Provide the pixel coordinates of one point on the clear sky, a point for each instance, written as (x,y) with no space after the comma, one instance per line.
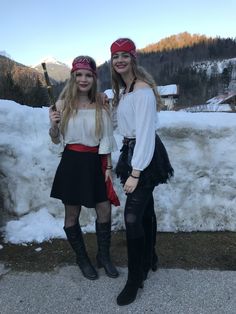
(31,30)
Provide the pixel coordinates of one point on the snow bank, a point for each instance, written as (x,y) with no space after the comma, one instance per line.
(201,196)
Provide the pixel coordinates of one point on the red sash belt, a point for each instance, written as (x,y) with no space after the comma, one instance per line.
(111,194)
(82,148)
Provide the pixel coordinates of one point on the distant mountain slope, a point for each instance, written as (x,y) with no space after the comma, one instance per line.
(178,41)
(214,67)
(26,85)
(21,83)
(57,70)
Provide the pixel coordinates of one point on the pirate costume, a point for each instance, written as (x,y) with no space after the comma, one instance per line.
(80,177)
(144,151)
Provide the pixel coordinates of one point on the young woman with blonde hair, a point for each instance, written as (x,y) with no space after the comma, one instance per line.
(83,128)
(143,163)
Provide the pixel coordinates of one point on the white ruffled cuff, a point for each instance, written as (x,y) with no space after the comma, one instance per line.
(107,145)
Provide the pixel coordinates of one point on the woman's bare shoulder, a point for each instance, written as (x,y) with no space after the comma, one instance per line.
(140,84)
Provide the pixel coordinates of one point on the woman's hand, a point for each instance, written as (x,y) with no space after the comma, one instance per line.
(54,116)
(105,101)
(130,185)
(108,174)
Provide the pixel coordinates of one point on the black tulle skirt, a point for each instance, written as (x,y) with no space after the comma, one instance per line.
(158,171)
(79,179)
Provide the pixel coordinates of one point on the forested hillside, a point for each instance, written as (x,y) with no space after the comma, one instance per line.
(23,84)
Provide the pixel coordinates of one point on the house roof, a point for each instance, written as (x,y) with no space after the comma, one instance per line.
(220,99)
(217,103)
(167,90)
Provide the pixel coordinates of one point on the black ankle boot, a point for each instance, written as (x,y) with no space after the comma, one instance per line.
(75,238)
(135,249)
(103,231)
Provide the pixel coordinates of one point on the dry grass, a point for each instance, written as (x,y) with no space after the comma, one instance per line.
(198,250)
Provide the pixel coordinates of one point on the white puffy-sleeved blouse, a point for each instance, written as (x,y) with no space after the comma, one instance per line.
(81,130)
(137,118)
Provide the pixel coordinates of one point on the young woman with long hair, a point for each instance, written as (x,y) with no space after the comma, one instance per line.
(84,129)
(143,163)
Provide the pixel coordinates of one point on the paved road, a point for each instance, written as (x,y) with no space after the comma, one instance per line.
(167,291)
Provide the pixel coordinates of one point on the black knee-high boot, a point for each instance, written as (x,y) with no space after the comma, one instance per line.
(75,238)
(150,256)
(155,261)
(103,231)
(135,249)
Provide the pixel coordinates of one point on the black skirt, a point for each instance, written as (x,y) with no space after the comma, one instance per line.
(79,179)
(158,171)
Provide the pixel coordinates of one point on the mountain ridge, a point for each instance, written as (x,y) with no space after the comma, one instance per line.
(176,41)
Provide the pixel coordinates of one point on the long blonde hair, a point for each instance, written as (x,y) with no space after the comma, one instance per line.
(69,96)
(141,74)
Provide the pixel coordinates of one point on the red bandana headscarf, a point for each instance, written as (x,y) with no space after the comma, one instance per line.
(83,63)
(124,44)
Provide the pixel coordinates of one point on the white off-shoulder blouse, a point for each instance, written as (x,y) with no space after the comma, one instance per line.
(81,130)
(137,118)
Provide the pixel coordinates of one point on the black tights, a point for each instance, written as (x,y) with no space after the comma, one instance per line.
(139,212)
(72,213)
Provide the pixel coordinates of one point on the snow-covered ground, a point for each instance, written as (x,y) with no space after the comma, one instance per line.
(201,196)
